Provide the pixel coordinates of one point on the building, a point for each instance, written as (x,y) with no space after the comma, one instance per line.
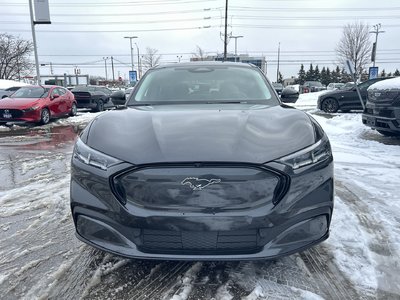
(258,61)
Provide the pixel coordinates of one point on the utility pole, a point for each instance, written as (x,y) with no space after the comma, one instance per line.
(377,32)
(235,37)
(279,54)
(112,68)
(105,65)
(139,73)
(226,30)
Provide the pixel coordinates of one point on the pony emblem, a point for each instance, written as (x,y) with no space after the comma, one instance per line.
(198,184)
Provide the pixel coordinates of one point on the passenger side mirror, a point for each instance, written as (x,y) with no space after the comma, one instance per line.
(118,98)
(55,96)
(289,95)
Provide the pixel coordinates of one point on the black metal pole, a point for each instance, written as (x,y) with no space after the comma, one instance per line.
(226,30)
(112,67)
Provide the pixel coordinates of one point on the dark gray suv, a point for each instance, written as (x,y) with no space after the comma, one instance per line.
(382,110)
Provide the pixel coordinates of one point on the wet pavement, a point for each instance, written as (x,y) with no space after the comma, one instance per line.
(40,258)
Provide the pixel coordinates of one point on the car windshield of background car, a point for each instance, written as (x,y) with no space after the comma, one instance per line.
(204,84)
(31,92)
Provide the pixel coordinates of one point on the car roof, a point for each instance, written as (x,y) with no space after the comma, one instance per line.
(206,64)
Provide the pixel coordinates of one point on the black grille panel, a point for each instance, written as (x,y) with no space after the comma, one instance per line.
(160,240)
(206,189)
(16,113)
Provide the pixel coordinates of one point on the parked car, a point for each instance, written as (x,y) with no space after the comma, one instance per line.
(128,91)
(312,86)
(203,163)
(278,87)
(37,104)
(335,86)
(345,99)
(382,111)
(97,98)
(7,92)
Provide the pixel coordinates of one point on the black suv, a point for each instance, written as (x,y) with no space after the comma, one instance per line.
(94,97)
(382,111)
(345,99)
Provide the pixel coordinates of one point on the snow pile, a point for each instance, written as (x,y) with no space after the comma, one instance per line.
(387,84)
(5,84)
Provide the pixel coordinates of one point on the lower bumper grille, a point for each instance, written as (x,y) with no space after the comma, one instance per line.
(190,242)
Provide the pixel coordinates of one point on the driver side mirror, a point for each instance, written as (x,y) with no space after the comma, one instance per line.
(289,95)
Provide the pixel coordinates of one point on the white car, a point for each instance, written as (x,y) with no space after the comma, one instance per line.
(335,86)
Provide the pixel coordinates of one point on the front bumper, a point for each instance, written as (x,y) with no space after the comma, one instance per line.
(299,220)
(386,118)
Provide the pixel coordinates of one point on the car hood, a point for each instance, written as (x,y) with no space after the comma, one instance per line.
(210,133)
(17,103)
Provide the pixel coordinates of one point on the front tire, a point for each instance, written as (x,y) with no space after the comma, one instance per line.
(74,110)
(330,105)
(99,105)
(44,116)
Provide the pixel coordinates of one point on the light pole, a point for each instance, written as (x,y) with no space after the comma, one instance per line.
(130,39)
(377,32)
(105,65)
(236,37)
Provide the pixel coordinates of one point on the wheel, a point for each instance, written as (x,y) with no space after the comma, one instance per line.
(388,133)
(44,116)
(330,105)
(74,110)
(99,105)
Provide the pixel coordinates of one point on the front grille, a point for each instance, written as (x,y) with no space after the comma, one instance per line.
(15,113)
(203,188)
(191,242)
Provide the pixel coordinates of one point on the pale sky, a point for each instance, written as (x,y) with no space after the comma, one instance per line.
(84,31)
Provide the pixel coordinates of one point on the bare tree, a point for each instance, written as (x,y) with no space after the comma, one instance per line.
(14,56)
(199,54)
(151,58)
(355,46)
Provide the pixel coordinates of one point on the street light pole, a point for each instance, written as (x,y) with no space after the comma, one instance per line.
(236,37)
(130,39)
(105,65)
(377,32)
(34,43)
(226,30)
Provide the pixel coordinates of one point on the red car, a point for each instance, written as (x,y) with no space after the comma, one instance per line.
(37,104)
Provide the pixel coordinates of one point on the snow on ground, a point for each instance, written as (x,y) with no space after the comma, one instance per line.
(41,258)
(5,84)
(365,229)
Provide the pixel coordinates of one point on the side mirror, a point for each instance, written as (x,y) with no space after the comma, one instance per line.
(118,98)
(55,96)
(289,95)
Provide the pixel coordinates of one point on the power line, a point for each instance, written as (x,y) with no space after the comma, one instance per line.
(132,3)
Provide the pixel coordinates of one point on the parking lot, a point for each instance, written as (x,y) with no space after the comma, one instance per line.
(40,258)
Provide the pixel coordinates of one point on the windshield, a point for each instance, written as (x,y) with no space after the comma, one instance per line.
(31,92)
(210,84)
(277,85)
(83,89)
(314,83)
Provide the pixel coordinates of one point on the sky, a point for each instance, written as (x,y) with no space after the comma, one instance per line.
(82,34)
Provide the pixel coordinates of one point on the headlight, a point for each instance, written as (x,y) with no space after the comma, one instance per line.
(94,158)
(316,153)
(30,109)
